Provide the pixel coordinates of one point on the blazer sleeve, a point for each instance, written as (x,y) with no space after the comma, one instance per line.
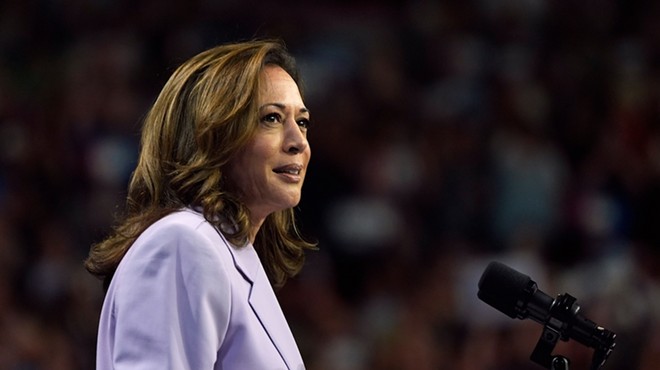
(172,301)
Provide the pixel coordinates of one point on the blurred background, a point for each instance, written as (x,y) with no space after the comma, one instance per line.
(446,134)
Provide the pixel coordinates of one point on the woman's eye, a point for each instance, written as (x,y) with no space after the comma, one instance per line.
(277,118)
(272,118)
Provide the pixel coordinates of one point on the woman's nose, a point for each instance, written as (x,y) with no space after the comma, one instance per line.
(295,139)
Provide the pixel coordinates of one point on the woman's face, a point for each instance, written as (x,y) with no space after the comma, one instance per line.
(269,172)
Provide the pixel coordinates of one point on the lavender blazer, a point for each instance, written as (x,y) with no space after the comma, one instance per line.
(184,298)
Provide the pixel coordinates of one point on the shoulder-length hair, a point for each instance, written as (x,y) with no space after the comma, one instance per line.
(205,113)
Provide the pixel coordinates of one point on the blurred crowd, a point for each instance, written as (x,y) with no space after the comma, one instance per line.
(445,134)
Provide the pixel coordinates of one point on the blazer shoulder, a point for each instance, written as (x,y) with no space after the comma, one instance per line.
(183,217)
(175,233)
(181,240)
(184,221)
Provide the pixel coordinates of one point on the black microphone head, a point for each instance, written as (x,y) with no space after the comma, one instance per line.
(503,288)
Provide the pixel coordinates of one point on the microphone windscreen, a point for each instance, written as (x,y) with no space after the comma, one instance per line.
(503,288)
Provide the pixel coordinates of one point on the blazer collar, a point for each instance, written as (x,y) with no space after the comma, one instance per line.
(264,303)
(246,261)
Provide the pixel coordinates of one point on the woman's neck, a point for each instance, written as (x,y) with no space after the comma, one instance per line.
(255,225)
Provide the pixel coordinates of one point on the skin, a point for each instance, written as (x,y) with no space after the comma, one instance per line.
(271,169)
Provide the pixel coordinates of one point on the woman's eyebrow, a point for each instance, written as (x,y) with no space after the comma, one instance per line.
(283,107)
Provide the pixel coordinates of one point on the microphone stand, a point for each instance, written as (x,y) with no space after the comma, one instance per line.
(555,328)
(542,353)
(559,363)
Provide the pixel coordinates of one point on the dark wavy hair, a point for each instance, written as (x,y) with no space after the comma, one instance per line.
(205,113)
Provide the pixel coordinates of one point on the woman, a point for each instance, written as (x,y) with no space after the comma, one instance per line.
(210,224)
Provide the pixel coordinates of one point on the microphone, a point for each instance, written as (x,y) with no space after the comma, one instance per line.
(517,296)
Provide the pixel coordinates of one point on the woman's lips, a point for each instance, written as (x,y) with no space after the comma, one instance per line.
(290,172)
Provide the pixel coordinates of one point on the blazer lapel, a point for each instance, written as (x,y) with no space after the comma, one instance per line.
(264,303)
(265,306)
